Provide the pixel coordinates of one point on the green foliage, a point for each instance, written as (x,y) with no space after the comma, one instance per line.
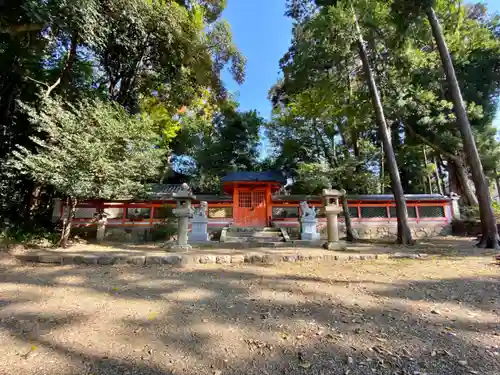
(150,57)
(212,147)
(32,237)
(91,149)
(167,229)
(323,110)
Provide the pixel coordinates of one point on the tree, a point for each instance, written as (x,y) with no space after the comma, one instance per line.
(89,150)
(490,238)
(151,57)
(297,9)
(226,140)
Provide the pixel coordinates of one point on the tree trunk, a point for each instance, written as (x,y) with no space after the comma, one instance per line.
(464,186)
(68,67)
(497,184)
(459,183)
(382,171)
(348,221)
(438,177)
(65,74)
(489,238)
(440,165)
(404,233)
(34,202)
(428,177)
(68,221)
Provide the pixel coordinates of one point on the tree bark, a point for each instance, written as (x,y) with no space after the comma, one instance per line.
(440,165)
(497,184)
(464,187)
(404,233)
(428,177)
(70,62)
(68,221)
(438,178)
(63,78)
(382,171)
(459,183)
(489,238)
(34,202)
(348,221)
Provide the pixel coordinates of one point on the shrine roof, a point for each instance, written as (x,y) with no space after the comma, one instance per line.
(266,176)
(165,191)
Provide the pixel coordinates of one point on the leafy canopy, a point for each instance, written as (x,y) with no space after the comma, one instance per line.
(93,149)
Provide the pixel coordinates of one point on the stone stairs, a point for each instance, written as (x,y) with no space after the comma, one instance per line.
(257,236)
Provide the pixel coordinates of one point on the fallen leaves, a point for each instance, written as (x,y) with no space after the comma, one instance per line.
(152,315)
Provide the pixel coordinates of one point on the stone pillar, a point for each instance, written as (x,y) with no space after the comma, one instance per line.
(183,212)
(199,225)
(332,210)
(332,227)
(309,223)
(455,207)
(183,231)
(101,220)
(101,228)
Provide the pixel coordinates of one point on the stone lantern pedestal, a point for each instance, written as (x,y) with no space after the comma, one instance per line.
(309,223)
(183,212)
(332,211)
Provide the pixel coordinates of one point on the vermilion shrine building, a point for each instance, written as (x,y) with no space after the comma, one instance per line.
(255,199)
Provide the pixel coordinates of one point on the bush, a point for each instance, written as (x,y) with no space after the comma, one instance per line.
(35,237)
(164,231)
(472,212)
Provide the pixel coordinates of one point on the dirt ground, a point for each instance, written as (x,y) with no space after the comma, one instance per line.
(440,315)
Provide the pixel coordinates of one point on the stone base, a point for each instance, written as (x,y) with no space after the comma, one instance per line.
(199,237)
(310,236)
(335,246)
(176,248)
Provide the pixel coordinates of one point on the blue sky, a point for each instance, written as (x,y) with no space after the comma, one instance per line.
(263,34)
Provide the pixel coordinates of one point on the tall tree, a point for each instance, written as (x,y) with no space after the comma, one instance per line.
(300,10)
(489,237)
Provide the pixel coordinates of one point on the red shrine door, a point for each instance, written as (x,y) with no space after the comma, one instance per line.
(251,210)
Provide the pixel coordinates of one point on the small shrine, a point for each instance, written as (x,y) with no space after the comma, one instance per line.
(252,196)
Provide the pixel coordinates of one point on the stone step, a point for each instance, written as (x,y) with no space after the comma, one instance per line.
(253,239)
(254,234)
(252,229)
(255,244)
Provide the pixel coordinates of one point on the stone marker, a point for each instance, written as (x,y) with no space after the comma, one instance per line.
(332,210)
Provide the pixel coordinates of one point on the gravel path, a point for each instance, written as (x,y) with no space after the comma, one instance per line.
(436,316)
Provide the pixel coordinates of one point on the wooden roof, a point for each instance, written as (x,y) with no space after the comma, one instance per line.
(245,176)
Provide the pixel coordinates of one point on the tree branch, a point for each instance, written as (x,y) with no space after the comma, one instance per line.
(50,88)
(17,29)
(39,82)
(449,155)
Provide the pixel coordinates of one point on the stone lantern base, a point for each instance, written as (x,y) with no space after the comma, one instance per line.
(335,246)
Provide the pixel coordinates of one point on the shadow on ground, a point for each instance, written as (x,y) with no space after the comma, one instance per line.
(246,320)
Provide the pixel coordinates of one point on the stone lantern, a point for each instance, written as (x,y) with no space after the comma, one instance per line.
(183,212)
(331,199)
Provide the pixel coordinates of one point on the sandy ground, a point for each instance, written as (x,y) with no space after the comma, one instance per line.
(435,316)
